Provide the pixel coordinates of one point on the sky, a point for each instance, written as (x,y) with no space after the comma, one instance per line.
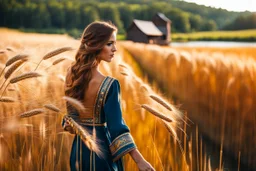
(231,5)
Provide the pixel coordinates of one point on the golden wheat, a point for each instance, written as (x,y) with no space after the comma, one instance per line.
(10,49)
(32,112)
(156,113)
(124,73)
(31,74)
(123,66)
(2,51)
(16,58)
(56,52)
(62,78)
(11,89)
(58,61)
(13,68)
(161,101)
(52,107)
(7,99)
(75,103)
(170,129)
(85,136)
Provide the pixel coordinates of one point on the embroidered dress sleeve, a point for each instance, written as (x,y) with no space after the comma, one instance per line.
(71,112)
(121,139)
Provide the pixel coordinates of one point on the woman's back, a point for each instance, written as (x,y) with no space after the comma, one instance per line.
(92,91)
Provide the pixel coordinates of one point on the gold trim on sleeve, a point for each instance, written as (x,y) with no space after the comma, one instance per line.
(120,141)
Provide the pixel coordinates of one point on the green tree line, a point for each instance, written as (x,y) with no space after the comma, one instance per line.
(76,14)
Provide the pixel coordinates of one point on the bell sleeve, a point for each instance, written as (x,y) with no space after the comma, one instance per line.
(121,139)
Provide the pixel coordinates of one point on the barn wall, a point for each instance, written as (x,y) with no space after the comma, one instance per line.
(136,35)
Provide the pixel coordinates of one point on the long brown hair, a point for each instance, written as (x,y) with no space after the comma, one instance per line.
(93,39)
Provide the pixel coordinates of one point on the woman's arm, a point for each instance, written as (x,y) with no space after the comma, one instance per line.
(141,162)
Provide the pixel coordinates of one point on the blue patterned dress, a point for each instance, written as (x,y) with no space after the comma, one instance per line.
(111,131)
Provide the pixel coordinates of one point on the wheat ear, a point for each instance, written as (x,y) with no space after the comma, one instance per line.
(52,107)
(7,99)
(156,113)
(161,101)
(122,65)
(32,112)
(10,49)
(124,73)
(62,78)
(2,51)
(16,58)
(75,103)
(58,61)
(13,68)
(54,53)
(31,74)
(12,60)
(84,135)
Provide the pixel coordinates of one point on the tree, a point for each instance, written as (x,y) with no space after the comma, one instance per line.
(72,17)
(195,21)
(126,15)
(242,22)
(109,12)
(180,20)
(88,15)
(57,14)
(208,26)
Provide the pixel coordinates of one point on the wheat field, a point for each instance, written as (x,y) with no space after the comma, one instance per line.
(215,85)
(33,68)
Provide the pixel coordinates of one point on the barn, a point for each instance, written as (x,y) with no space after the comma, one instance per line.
(156,31)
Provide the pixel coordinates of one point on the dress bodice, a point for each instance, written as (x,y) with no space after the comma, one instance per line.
(93,114)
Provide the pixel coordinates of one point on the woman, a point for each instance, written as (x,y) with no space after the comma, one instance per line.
(101,97)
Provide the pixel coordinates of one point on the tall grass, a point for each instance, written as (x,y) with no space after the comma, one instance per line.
(215,86)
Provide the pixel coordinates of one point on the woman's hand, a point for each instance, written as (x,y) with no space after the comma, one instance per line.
(143,165)
(68,128)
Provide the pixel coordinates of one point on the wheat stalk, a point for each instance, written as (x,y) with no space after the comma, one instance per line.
(11,89)
(16,58)
(84,135)
(32,112)
(156,113)
(31,74)
(13,68)
(52,107)
(161,101)
(2,51)
(54,53)
(75,103)
(7,99)
(10,49)
(58,61)
(124,66)
(61,77)
(124,73)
